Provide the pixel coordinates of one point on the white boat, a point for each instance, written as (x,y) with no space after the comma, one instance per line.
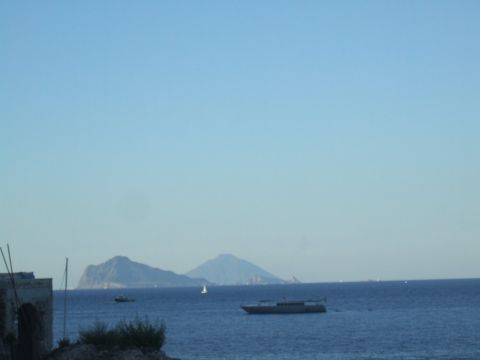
(204,290)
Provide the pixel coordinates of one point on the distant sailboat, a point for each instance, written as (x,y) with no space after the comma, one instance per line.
(204,290)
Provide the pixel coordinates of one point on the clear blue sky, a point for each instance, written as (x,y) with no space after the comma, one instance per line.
(326,140)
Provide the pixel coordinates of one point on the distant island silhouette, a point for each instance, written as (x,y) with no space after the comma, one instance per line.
(226,269)
(121,272)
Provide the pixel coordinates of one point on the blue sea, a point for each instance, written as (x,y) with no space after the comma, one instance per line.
(438,319)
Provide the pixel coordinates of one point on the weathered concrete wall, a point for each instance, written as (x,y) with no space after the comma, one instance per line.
(35,301)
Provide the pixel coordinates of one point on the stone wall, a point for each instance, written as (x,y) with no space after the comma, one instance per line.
(31,326)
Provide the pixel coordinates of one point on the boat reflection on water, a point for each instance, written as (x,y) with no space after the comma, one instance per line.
(286,307)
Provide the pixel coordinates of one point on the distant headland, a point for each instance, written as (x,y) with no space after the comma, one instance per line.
(121,272)
(226,269)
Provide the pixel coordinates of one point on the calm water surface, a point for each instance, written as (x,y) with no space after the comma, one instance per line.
(372,320)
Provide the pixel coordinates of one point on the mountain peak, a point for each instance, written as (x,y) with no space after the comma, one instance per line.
(119,258)
(226,256)
(121,272)
(227,269)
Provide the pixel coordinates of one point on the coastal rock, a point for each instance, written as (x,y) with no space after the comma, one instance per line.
(293,280)
(90,352)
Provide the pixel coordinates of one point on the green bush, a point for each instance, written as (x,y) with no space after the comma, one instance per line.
(141,334)
(99,335)
(136,334)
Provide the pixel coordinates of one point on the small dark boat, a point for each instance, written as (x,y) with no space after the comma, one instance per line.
(286,307)
(122,298)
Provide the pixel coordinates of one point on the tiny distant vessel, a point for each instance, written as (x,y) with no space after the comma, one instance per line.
(204,290)
(122,298)
(286,307)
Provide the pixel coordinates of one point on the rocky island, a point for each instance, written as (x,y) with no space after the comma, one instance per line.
(121,272)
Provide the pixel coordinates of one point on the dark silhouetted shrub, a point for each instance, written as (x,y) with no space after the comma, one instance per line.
(99,335)
(141,334)
(136,334)
(63,343)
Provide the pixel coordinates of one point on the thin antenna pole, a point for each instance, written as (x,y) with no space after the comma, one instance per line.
(6,265)
(12,279)
(65,301)
(5,261)
(9,258)
(13,276)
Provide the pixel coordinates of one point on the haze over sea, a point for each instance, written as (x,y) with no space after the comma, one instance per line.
(424,319)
